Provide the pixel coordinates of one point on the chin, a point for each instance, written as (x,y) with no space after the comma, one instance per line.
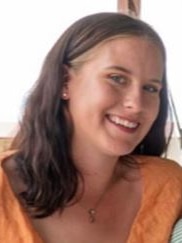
(121,150)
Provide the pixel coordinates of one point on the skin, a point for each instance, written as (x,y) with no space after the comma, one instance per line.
(122,78)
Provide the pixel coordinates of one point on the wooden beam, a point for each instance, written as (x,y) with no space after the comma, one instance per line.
(130,7)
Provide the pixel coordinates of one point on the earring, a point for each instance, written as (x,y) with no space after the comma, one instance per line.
(64,96)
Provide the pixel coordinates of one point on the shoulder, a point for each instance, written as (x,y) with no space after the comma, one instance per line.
(5,189)
(3,158)
(160,164)
(13,218)
(5,155)
(160,171)
(162,186)
(9,173)
(7,163)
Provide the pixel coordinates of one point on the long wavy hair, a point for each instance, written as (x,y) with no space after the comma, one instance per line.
(44,158)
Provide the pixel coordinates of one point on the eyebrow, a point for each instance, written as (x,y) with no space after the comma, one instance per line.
(120,68)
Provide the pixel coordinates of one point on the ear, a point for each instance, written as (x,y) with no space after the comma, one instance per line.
(65,89)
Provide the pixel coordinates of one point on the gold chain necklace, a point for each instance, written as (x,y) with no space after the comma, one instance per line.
(92,212)
(92,215)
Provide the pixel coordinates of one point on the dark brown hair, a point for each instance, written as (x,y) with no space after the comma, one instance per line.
(44,158)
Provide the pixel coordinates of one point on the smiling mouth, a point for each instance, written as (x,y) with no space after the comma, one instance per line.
(123,122)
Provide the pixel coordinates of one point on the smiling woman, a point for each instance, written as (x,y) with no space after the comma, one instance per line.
(126,98)
(85,164)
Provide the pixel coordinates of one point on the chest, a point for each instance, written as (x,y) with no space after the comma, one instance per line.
(113,221)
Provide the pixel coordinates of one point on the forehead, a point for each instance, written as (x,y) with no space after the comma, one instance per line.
(127,50)
(127,44)
(123,44)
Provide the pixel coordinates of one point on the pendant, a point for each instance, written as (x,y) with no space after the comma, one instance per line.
(92,213)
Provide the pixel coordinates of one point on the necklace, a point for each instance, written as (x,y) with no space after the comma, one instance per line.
(92,215)
(92,212)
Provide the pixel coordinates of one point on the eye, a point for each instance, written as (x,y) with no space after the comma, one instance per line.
(151,89)
(120,79)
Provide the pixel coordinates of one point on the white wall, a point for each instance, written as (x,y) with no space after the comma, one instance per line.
(29,28)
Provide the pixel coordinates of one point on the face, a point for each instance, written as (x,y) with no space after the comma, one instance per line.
(114,96)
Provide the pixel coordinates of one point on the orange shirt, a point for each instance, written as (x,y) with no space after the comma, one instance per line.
(161,205)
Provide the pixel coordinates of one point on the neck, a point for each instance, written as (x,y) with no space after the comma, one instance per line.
(97,167)
(98,170)
(101,174)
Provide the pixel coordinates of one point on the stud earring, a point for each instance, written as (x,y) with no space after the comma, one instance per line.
(64,96)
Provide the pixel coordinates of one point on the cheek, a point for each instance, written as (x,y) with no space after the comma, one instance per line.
(100,96)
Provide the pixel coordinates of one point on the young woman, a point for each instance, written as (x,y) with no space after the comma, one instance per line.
(85,165)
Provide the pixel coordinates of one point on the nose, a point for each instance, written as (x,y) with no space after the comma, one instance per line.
(133,100)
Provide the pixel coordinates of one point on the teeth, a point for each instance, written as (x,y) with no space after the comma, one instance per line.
(122,122)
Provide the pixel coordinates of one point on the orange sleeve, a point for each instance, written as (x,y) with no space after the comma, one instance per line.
(15,225)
